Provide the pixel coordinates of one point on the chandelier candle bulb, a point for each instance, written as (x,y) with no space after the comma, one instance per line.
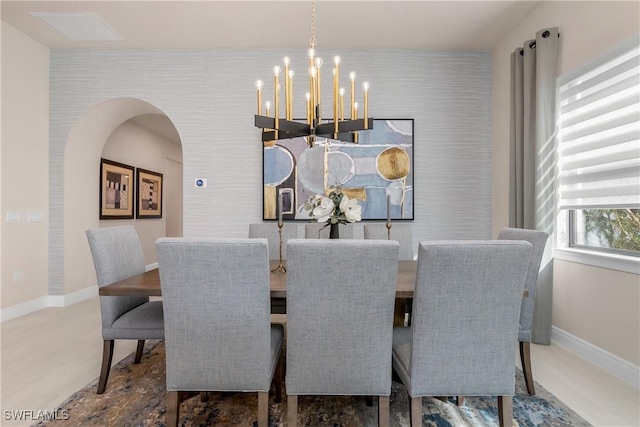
(352,76)
(259,88)
(268,108)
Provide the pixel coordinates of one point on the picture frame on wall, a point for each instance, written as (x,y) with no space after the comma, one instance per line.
(116,190)
(149,192)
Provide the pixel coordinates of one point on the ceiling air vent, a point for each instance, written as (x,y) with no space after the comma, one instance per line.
(79,27)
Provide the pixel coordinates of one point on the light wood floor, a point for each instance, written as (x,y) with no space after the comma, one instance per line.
(48,355)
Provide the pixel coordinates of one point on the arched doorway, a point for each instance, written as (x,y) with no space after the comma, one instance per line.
(111,127)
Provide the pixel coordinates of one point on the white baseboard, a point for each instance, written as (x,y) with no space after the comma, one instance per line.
(53,301)
(611,363)
(24,308)
(72,298)
(47,301)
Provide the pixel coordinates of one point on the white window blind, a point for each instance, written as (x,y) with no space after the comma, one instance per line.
(599,133)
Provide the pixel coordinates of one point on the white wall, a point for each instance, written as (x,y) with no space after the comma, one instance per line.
(599,306)
(136,146)
(25,166)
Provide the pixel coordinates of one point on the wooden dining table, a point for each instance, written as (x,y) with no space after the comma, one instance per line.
(148,283)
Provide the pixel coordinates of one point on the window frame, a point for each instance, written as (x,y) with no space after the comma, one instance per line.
(571,218)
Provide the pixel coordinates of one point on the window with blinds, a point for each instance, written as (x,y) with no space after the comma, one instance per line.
(599,151)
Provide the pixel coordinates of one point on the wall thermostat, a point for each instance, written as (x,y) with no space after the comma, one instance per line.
(200,182)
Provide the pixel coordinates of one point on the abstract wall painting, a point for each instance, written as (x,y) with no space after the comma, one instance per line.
(380,164)
(116,190)
(149,185)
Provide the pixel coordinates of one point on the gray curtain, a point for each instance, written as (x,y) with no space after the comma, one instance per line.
(532,199)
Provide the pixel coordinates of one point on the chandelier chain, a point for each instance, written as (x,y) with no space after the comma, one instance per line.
(312,40)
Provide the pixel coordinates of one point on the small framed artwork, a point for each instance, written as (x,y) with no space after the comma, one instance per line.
(149,192)
(116,190)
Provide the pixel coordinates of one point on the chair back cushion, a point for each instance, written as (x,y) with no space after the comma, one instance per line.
(317,230)
(117,254)
(465,317)
(340,302)
(216,311)
(270,232)
(401,232)
(538,240)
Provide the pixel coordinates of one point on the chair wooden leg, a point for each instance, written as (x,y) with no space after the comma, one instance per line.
(107,355)
(204,396)
(383,411)
(525,359)
(279,375)
(459,400)
(505,411)
(139,351)
(292,410)
(263,409)
(416,411)
(173,408)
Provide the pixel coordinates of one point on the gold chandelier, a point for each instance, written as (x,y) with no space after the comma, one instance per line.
(282,126)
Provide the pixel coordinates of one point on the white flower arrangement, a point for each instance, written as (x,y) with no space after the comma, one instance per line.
(336,208)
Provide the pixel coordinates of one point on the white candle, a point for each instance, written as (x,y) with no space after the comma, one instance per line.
(280,209)
(388,208)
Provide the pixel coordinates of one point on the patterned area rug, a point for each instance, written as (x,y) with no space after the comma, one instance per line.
(135,396)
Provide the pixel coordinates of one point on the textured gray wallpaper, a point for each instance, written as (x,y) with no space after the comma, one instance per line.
(210,97)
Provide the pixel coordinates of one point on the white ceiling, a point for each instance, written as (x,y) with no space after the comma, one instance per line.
(242,24)
(470,25)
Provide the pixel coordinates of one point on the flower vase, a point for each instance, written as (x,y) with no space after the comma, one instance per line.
(334,231)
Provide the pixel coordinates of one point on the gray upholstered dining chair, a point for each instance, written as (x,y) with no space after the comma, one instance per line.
(315,230)
(117,254)
(538,240)
(336,346)
(218,335)
(269,231)
(403,233)
(465,322)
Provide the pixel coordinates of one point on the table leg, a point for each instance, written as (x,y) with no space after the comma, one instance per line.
(398,315)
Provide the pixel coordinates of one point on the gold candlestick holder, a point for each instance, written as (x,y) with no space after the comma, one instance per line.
(280,268)
(388,230)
